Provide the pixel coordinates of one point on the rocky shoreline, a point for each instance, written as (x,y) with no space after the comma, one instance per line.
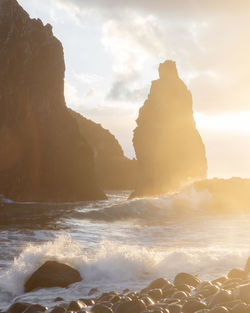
(185,294)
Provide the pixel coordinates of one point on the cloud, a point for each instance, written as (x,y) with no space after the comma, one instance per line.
(130,48)
(87,78)
(161,6)
(120,92)
(201,36)
(124,42)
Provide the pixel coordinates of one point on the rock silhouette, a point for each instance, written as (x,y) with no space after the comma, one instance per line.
(113,169)
(169,149)
(43,156)
(52,274)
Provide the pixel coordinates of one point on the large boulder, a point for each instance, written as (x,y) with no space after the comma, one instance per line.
(169,149)
(52,274)
(43,156)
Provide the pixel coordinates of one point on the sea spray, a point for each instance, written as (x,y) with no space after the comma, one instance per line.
(148,238)
(153,210)
(112,262)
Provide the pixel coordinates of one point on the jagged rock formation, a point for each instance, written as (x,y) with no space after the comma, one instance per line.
(113,169)
(43,156)
(168,147)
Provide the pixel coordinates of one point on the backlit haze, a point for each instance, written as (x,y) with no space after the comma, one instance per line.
(113,49)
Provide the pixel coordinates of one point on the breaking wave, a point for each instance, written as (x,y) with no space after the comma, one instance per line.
(112,263)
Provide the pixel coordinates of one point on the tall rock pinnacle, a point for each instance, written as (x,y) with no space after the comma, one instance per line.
(169,149)
(43,156)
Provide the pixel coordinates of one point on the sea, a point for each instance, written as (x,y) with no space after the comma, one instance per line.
(118,243)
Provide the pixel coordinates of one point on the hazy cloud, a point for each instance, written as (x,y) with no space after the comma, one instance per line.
(162,6)
(201,36)
(120,92)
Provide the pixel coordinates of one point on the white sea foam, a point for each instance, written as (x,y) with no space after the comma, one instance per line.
(174,237)
(152,209)
(125,265)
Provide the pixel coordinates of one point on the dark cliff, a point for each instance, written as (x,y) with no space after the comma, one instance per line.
(43,156)
(113,169)
(169,149)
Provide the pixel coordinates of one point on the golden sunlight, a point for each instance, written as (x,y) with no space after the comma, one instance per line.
(231,122)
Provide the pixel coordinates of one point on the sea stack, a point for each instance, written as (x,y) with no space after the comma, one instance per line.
(43,156)
(169,149)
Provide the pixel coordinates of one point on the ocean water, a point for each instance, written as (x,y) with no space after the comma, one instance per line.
(118,244)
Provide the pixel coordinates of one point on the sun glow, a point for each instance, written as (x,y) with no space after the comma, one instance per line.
(237,122)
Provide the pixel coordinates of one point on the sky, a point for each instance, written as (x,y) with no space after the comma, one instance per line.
(113,49)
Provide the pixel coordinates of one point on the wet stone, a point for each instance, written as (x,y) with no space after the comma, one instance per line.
(175,308)
(219,280)
(220,297)
(135,306)
(76,306)
(52,274)
(168,292)
(239,308)
(242,292)
(88,302)
(93,291)
(18,307)
(104,297)
(209,291)
(100,308)
(230,304)
(179,295)
(58,309)
(185,278)
(147,300)
(171,301)
(192,306)
(203,285)
(237,273)
(115,299)
(157,306)
(184,287)
(35,308)
(126,290)
(155,294)
(159,283)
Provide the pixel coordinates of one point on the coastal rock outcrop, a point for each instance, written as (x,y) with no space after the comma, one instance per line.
(113,169)
(52,274)
(169,149)
(43,156)
(231,194)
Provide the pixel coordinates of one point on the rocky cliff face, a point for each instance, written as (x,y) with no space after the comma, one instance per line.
(168,147)
(113,169)
(43,156)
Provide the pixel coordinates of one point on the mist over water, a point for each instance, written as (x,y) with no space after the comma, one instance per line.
(118,244)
